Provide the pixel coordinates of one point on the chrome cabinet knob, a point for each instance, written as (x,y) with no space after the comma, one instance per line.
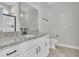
(36,50)
(46,44)
(39,49)
(12,25)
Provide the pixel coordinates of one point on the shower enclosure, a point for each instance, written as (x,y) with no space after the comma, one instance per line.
(7,23)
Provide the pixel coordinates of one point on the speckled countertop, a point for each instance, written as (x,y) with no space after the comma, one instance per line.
(14,40)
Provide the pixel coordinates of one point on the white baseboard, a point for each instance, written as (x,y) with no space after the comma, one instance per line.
(68,46)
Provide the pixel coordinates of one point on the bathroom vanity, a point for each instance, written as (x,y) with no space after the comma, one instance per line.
(28,46)
(13,41)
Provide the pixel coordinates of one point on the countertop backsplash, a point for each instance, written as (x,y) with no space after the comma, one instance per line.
(33,32)
(10,37)
(13,35)
(9,34)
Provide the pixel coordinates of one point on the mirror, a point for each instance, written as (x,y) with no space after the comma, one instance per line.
(28,17)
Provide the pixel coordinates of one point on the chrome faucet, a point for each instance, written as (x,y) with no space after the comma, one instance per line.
(24,30)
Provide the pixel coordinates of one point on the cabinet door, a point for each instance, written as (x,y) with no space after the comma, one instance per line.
(44,44)
(31,52)
(41,49)
(28,48)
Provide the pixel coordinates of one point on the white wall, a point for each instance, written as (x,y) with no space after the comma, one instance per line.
(64,21)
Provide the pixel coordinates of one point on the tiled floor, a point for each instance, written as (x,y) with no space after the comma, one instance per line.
(63,52)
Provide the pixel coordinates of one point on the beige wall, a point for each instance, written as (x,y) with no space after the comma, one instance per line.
(64,21)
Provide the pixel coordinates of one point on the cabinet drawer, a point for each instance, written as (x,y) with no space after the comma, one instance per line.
(9,52)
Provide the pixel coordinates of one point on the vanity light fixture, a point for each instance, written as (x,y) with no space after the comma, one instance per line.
(0,13)
(21,14)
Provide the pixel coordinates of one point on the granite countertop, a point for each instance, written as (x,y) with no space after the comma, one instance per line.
(17,39)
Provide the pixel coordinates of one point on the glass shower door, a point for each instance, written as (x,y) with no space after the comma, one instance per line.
(0,20)
(8,23)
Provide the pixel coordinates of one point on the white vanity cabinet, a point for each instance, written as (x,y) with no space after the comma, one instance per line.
(36,50)
(38,47)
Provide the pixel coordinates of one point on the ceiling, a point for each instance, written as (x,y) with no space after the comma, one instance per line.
(9,3)
(50,3)
(24,6)
(13,3)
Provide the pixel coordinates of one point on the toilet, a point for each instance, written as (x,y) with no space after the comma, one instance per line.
(53,43)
